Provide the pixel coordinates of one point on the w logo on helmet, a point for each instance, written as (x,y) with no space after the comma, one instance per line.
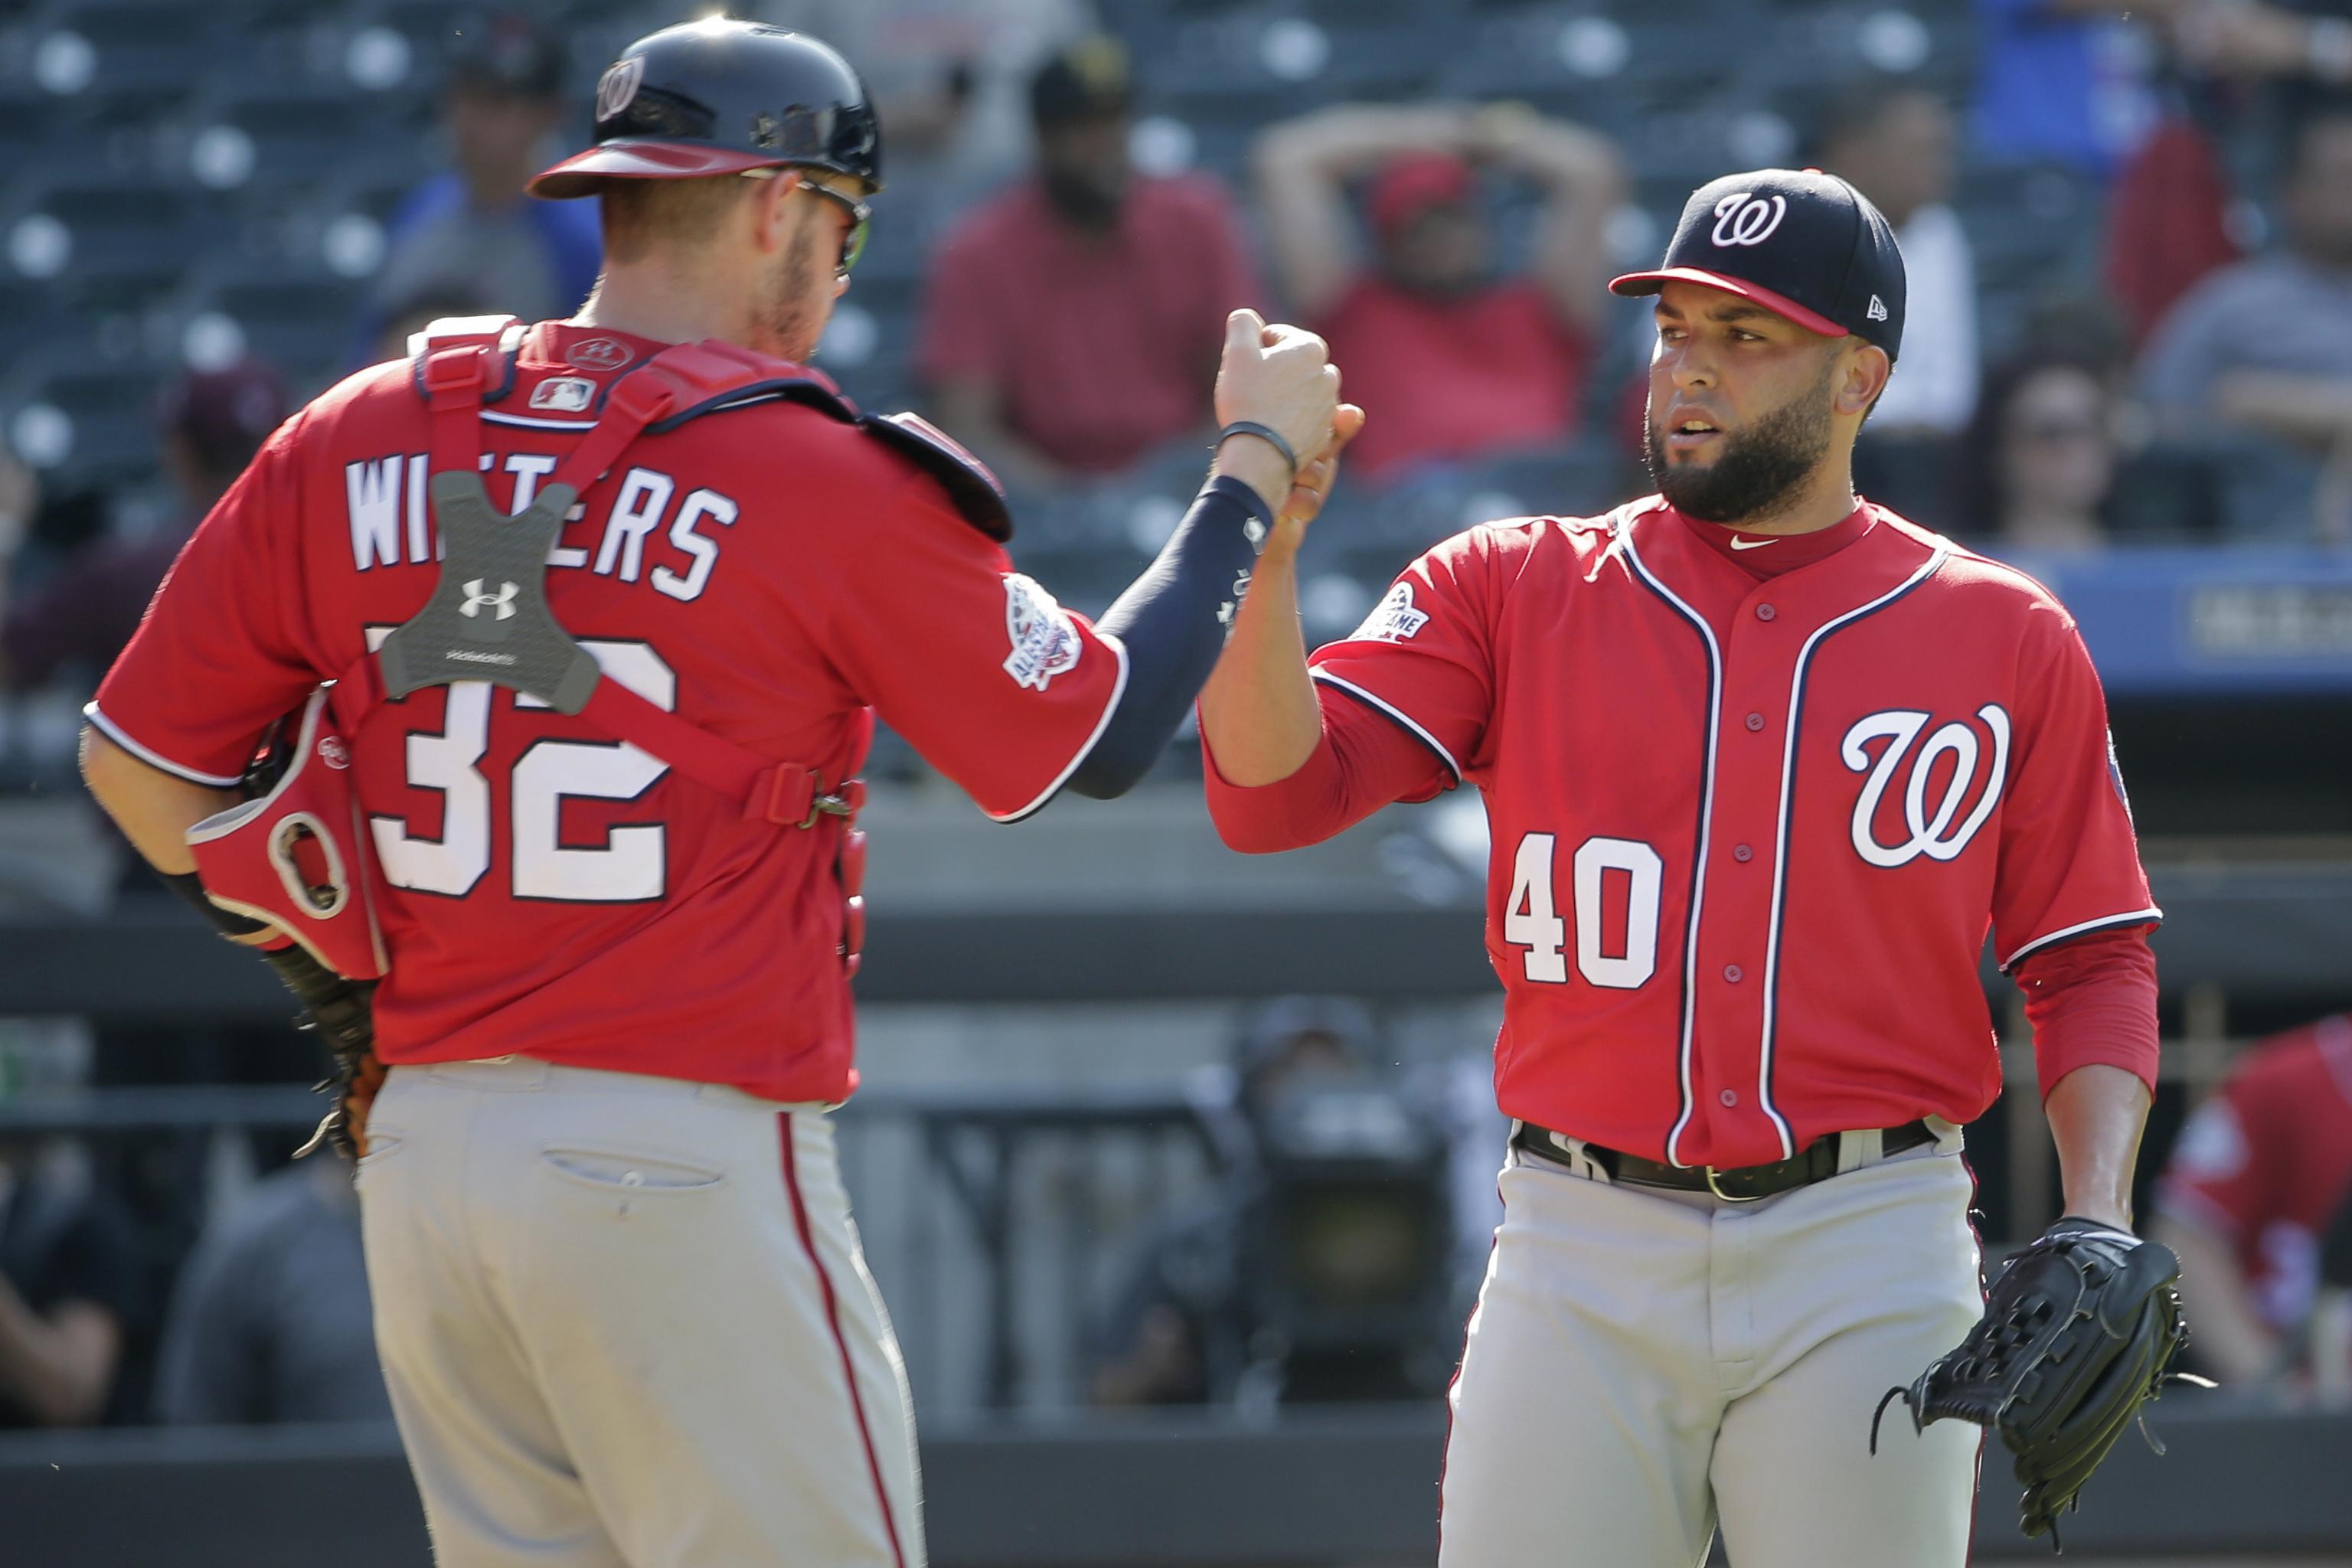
(1742,218)
(502,601)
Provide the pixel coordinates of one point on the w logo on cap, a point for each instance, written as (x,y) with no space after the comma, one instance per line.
(1744,219)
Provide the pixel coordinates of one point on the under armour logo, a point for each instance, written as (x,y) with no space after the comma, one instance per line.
(502,601)
(1934,836)
(1745,218)
(1877,311)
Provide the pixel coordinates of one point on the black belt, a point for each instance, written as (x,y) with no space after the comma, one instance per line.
(1816,1162)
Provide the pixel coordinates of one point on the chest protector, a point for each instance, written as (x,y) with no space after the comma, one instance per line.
(301,856)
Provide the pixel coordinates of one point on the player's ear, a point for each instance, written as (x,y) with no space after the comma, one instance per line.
(1863,371)
(771,212)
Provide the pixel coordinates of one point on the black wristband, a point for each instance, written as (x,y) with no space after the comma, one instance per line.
(1267,433)
(191,887)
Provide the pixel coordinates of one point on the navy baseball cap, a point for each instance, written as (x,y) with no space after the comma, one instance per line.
(1801,242)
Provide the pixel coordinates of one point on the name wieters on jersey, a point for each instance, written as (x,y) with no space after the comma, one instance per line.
(391,521)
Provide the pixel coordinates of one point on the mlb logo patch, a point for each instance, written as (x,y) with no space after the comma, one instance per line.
(564,393)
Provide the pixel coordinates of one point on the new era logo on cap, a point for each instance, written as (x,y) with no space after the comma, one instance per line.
(1802,244)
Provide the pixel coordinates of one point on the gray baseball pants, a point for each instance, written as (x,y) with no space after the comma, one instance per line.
(626,1324)
(1646,1364)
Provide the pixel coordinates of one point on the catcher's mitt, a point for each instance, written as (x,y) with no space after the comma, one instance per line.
(340,1010)
(2078,1333)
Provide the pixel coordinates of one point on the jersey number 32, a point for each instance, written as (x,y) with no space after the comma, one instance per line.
(1619,961)
(627,868)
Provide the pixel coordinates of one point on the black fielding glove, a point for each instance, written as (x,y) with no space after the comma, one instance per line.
(2078,1335)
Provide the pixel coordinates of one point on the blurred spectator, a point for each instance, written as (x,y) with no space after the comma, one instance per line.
(270,1321)
(1319,1271)
(471,230)
(2041,456)
(1073,323)
(68,1299)
(2168,225)
(2309,45)
(948,76)
(2063,81)
(2264,346)
(209,425)
(1896,143)
(1453,357)
(2257,1175)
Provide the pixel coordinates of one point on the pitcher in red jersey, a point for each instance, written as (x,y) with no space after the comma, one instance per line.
(1762,763)
(620,1305)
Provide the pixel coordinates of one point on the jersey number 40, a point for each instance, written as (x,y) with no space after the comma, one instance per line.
(628,868)
(1531,920)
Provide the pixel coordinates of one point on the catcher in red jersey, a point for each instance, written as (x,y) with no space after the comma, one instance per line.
(608,607)
(1762,763)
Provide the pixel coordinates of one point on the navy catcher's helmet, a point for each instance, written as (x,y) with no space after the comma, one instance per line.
(720,96)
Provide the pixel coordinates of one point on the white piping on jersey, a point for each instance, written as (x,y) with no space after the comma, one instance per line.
(1118,691)
(154,759)
(1705,825)
(1781,837)
(1393,711)
(531,423)
(2135,918)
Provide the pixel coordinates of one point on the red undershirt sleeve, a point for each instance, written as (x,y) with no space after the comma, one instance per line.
(2092,1000)
(1363,763)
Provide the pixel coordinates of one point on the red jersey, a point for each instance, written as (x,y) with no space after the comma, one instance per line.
(1099,347)
(1748,831)
(2266,1162)
(1454,377)
(771,574)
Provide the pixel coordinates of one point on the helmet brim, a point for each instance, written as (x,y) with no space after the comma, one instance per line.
(634,159)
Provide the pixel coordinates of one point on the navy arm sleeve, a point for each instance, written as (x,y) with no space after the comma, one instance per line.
(1173,620)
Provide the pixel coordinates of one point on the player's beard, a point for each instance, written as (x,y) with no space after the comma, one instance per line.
(1760,469)
(797,298)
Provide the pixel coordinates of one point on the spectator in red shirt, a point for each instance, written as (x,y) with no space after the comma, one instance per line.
(1454,360)
(1073,323)
(2259,1172)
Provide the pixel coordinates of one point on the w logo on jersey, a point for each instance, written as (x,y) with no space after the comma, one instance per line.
(501,603)
(1942,834)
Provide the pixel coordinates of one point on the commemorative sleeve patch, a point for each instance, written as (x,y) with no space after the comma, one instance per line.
(1044,643)
(1393,619)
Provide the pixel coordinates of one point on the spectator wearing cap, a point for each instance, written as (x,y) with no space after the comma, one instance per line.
(470,229)
(210,423)
(2263,346)
(947,77)
(1894,143)
(1071,325)
(1453,357)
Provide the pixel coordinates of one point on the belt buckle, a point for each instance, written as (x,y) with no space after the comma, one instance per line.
(1717,1188)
